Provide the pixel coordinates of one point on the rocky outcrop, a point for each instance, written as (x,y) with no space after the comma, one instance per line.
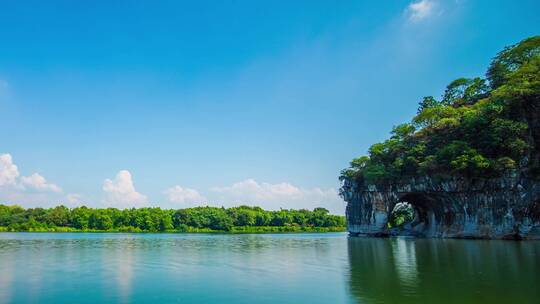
(502,208)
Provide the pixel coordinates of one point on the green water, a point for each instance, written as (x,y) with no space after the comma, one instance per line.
(286,268)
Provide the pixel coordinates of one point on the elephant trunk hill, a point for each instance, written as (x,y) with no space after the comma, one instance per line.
(468,164)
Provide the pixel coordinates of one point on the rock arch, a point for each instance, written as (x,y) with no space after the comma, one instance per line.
(456,208)
(424,206)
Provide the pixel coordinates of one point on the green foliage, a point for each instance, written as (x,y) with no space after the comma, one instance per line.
(511,59)
(401,214)
(455,90)
(476,89)
(465,91)
(99,220)
(427,103)
(476,129)
(58,216)
(429,117)
(241,219)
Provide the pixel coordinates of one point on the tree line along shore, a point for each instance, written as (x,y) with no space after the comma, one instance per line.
(242,219)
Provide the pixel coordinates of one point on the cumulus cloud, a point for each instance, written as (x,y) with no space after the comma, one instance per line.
(121,192)
(25,190)
(420,10)
(8,170)
(39,183)
(184,196)
(279,195)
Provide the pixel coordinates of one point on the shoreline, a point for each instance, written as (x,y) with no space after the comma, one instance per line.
(235,230)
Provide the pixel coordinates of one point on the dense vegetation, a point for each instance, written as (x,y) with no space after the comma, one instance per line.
(199,219)
(403,213)
(480,127)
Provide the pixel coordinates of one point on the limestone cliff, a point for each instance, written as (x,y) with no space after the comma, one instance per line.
(501,208)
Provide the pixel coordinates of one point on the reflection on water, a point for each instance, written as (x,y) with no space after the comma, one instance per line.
(122,262)
(172,268)
(287,268)
(443,271)
(405,261)
(6,275)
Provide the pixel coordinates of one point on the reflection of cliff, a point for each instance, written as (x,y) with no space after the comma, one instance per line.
(373,277)
(442,271)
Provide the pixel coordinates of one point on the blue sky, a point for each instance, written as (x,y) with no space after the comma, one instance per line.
(179,104)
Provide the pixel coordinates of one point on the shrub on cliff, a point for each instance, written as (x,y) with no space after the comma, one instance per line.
(480,127)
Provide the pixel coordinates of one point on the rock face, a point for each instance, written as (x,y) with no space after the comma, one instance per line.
(502,208)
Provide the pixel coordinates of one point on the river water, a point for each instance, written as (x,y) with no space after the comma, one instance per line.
(269,268)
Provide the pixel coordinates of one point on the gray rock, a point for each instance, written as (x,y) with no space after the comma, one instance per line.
(498,208)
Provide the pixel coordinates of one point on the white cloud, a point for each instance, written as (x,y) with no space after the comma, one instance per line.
(420,10)
(32,190)
(251,190)
(39,183)
(185,196)
(8,170)
(121,191)
(74,198)
(280,195)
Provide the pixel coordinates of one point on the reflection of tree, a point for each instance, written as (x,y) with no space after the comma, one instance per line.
(443,271)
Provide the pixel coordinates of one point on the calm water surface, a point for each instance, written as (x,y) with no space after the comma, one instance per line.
(286,268)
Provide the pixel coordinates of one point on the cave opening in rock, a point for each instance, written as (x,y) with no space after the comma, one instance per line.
(402,214)
(409,216)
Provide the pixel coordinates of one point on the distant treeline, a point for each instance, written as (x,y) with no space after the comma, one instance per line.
(243,219)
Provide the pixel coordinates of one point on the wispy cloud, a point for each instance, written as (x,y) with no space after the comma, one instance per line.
(279,195)
(39,183)
(420,10)
(184,197)
(74,198)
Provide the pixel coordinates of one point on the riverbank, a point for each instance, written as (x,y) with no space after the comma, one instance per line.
(233,230)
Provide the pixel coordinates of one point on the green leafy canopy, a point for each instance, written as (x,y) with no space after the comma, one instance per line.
(479,127)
